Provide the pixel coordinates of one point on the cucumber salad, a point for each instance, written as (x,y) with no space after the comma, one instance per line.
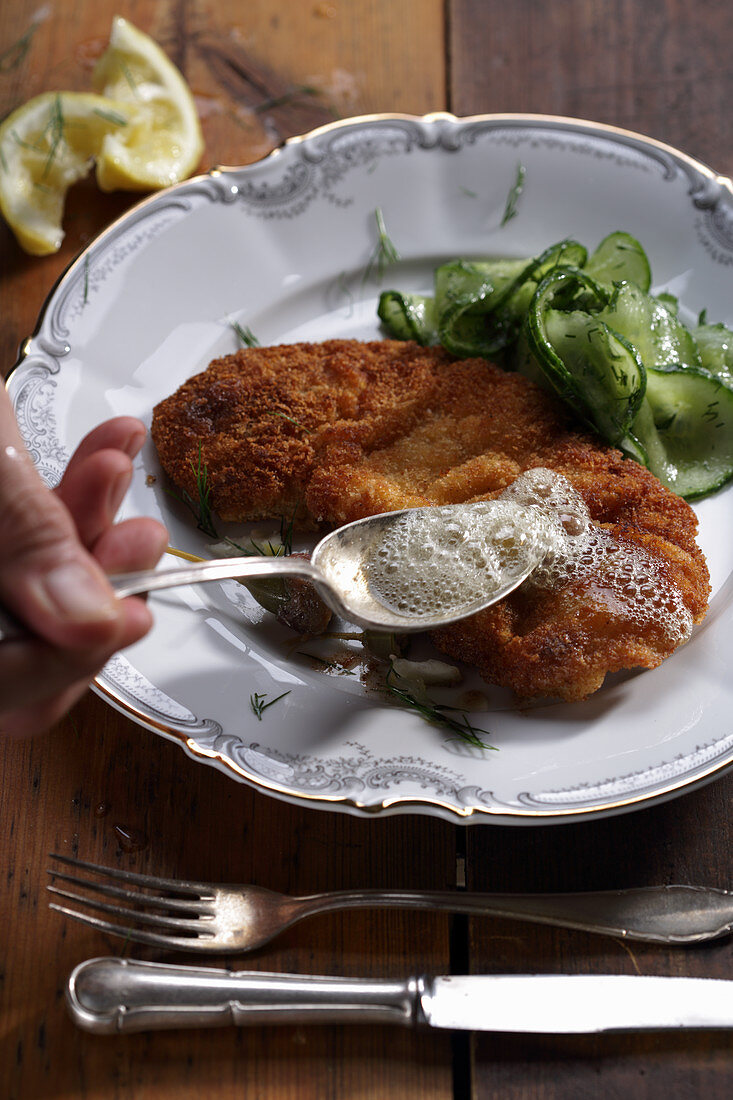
(587,327)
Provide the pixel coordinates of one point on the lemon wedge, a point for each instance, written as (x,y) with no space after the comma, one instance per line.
(163,143)
(45,146)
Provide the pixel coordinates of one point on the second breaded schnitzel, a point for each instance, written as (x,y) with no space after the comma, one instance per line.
(346,430)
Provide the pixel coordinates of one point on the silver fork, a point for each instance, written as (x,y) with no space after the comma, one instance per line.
(218,919)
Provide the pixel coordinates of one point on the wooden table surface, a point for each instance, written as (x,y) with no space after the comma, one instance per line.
(100,786)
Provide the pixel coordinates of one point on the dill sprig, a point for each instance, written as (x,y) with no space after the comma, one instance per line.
(344,289)
(200,508)
(435,712)
(286,530)
(284,416)
(55,129)
(15,54)
(125,70)
(53,132)
(258,704)
(25,144)
(111,116)
(245,334)
(257,549)
(510,210)
(269,549)
(384,253)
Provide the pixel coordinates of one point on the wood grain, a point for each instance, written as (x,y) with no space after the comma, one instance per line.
(103,788)
(685,841)
(659,69)
(97,781)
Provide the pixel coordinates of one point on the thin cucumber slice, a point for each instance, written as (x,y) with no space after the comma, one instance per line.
(480,281)
(481,306)
(513,308)
(522,359)
(466,334)
(686,427)
(632,446)
(656,333)
(644,438)
(715,345)
(607,374)
(620,258)
(408,316)
(465,295)
(670,301)
(591,367)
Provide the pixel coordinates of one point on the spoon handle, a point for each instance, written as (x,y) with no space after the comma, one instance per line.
(150,580)
(220,569)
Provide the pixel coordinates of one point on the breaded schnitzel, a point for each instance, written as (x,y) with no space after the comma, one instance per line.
(258,416)
(351,429)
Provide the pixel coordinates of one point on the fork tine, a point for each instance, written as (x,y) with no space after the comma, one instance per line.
(154,919)
(195,905)
(137,879)
(153,939)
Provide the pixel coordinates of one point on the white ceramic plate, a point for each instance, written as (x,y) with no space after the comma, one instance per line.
(281,247)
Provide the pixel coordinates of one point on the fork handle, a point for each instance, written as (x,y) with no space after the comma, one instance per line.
(112,995)
(672,914)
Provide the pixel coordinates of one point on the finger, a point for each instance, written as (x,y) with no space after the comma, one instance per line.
(46,576)
(93,489)
(98,474)
(55,678)
(131,545)
(121,433)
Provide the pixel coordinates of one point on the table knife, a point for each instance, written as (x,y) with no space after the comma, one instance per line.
(113,995)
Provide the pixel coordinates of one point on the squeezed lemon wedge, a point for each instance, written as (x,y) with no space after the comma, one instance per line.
(163,143)
(45,146)
(141,128)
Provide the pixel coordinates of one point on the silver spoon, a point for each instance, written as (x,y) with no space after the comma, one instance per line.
(339,568)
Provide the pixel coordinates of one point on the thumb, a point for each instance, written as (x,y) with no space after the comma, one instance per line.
(47,577)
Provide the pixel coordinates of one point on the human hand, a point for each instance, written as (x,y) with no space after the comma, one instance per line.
(55,551)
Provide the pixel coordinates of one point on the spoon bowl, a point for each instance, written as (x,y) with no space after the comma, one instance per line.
(345,555)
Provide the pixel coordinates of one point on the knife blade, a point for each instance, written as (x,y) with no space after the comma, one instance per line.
(113,995)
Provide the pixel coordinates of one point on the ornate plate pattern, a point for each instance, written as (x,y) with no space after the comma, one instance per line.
(283,247)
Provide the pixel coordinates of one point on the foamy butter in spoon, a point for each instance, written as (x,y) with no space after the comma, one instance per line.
(433,563)
(430,564)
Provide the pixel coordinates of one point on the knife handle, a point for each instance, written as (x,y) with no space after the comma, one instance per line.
(112,995)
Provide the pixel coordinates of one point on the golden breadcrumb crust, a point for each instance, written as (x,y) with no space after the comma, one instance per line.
(344,429)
